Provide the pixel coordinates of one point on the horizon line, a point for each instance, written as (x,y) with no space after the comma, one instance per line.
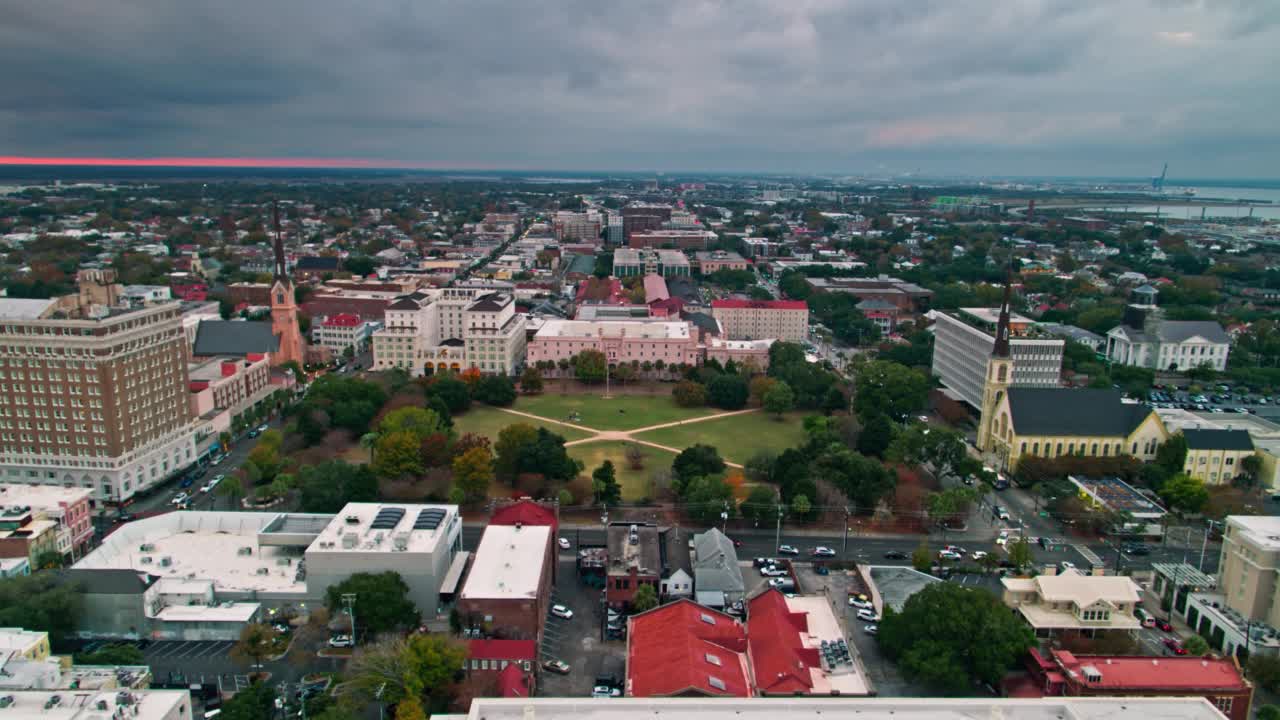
(228,162)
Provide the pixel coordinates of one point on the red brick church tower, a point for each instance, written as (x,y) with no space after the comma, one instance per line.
(284,309)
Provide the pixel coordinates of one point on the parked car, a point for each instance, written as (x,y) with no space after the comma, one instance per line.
(871,629)
(821,570)
(1135,549)
(868,616)
(1003,538)
(954,549)
(787,550)
(263,428)
(1164,625)
(950,555)
(895,555)
(772,571)
(762,561)
(822,551)
(860,604)
(1002,513)
(179,499)
(1174,645)
(1066,565)
(603,691)
(340,641)
(563,543)
(213,483)
(561,611)
(978,554)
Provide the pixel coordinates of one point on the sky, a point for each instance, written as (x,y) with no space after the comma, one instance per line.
(973,87)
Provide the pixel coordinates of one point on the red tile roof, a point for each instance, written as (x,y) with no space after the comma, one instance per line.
(502,649)
(525,512)
(1142,674)
(680,647)
(760,304)
(342,320)
(778,656)
(512,682)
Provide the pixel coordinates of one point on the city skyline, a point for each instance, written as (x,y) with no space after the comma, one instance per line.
(822,87)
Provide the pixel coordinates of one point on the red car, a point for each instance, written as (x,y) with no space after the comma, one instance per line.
(1174,645)
(1164,625)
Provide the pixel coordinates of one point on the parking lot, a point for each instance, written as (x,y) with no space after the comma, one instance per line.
(577,641)
(191,649)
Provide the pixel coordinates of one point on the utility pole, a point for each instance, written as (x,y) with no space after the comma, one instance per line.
(1204,545)
(349,600)
(844,549)
(777,535)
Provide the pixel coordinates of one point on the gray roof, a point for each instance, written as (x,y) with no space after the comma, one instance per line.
(108,581)
(1074,412)
(234,337)
(1078,334)
(1177,331)
(1218,439)
(715,563)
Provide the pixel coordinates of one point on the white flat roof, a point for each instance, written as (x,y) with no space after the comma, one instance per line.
(1261,530)
(41,497)
(97,705)
(1055,708)
(378,527)
(241,612)
(508,563)
(824,626)
(22,309)
(614,328)
(202,546)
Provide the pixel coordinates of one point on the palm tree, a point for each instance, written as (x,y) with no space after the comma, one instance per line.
(368,441)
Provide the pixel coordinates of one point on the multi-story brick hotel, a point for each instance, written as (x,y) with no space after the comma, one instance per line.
(93,394)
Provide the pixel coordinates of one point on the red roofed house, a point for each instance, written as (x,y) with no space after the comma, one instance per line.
(526,511)
(1218,680)
(495,668)
(762,319)
(786,641)
(685,649)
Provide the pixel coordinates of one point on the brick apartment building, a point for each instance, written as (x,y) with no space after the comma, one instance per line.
(93,394)
(507,592)
(66,506)
(786,320)
(634,559)
(679,239)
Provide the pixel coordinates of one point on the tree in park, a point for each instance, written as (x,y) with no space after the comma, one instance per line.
(512,440)
(472,473)
(436,404)
(531,381)
(801,506)
(1185,493)
(634,456)
(266,455)
(421,666)
(705,498)
(693,461)
(258,641)
(420,422)
(382,601)
(604,484)
(328,486)
(876,435)
(950,636)
(454,392)
(496,390)
(369,441)
(779,400)
(590,366)
(397,455)
(646,598)
(758,386)
(687,393)
(728,392)
(884,387)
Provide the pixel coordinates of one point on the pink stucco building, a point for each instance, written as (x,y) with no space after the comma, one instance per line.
(620,341)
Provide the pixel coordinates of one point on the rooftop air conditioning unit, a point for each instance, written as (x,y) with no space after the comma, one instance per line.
(166,561)
(146,560)
(246,550)
(262,571)
(349,541)
(353,519)
(146,547)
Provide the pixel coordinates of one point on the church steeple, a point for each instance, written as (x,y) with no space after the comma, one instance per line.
(279,271)
(991,432)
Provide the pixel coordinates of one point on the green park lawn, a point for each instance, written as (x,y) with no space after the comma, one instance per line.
(620,412)
(635,483)
(737,438)
(489,421)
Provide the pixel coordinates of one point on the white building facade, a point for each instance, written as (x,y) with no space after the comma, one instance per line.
(962,346)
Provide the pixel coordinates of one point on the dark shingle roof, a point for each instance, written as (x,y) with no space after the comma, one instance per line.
(234,337)
(1218,439)
(1064,411)
(1182,330)
(492,302)
(316,262)
(108,581)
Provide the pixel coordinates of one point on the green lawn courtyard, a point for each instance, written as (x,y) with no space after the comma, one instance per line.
(635,483)
(737,438)
(620,412)
(489,421)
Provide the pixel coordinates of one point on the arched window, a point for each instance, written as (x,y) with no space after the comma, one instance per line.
(1035,449)
(1135,448)
(1024,448)
(1004,369)
(1106,450)
(1059,449)
(1071,448)
(1094,450)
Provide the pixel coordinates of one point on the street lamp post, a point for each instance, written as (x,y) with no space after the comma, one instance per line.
(349,600)
(777,533)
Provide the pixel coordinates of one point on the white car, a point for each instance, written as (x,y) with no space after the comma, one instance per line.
(868,616)
(821,551)
(871,629)
(1003,513)
(561,611)
(209,486)
(1003,539)
(950,555)
(860,604)
(179,498)
(772,571)
(978,554)
(787,550)
(604,691)
(340,641)
(1067,565)
(563,543)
